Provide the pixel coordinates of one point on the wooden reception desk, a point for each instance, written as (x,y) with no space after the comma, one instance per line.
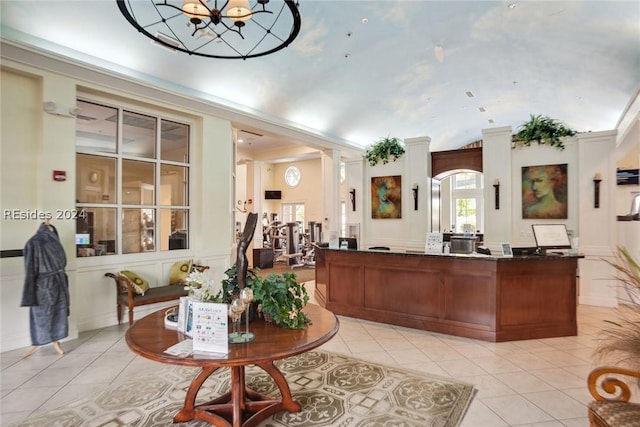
(489,298)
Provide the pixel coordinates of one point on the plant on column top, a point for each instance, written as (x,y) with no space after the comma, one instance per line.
(383,150)
(542,130)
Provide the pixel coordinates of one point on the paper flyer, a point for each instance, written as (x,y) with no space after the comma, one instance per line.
(209,327)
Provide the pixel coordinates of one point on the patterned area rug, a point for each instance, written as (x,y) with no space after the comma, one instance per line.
(334,390)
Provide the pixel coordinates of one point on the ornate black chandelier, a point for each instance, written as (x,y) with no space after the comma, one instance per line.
(231,29)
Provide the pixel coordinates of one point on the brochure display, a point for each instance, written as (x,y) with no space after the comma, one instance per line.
(434,243)
(209,327)
(206,323)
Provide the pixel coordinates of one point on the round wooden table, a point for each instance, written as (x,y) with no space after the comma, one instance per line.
(241,407)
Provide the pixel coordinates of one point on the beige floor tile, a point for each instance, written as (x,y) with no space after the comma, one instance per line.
(489,386)
(524,382)
(480,415)
(516,410)
(363,346)
(461,368)
(539,383)
(557,404)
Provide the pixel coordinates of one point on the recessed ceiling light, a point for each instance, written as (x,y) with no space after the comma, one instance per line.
(365,20)
(481,109)
(469,94)
(347,55)
(491,121)
(240,141)
(512,6)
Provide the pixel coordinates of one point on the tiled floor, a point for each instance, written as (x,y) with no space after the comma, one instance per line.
(523,383)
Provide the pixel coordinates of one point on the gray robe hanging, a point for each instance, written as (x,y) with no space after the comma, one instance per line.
(46,287)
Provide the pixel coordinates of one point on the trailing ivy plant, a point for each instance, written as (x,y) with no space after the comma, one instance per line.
(542,130)
(383,150)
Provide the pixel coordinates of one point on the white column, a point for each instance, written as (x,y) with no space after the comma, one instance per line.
(354,170)
(418,173)
(331,198)
(496,167)
(597,226)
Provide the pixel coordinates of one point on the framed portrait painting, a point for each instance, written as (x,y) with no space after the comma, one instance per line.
(544,192)
(386,197)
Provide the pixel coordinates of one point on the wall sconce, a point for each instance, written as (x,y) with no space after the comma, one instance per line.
(242,205)
(596,189)
(415,197)
(352,196)
(496,187)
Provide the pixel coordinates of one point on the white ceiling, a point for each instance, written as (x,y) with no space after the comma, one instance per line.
(352,82)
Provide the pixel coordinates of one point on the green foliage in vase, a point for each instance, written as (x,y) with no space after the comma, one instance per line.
(620,340)
(282,298)
(383,150)
(542,130)
(230,289)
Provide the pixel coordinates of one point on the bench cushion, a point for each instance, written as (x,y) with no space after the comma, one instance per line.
(140,285)
(179,272)
(159,294)
(617,414)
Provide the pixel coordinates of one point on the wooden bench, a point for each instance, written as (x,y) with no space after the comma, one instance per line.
(127,297)
(612,406)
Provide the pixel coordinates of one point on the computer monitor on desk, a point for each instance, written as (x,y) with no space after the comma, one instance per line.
(551,236)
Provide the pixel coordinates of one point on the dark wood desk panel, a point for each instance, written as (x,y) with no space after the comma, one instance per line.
(404,292)
(488,298)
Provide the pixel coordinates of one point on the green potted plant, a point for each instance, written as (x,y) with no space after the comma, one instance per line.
(282,299)
(231,291)
(542,130)
(621,338)
(383,150)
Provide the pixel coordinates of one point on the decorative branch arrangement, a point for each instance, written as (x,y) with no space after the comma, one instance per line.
(542,130)
(383,150)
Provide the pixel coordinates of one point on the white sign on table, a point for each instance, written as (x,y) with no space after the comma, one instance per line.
(209,329)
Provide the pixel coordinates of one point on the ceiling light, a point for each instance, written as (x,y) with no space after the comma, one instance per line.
(481,109)
(241,28)
(469,94)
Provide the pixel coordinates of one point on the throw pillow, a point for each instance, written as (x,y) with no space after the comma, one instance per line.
(179,272)
(140,285)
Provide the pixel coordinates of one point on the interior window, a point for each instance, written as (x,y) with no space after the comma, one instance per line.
(130,198)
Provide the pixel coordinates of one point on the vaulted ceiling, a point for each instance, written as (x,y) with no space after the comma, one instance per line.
(362,70)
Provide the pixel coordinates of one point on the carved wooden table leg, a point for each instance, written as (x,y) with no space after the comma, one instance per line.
(241,407)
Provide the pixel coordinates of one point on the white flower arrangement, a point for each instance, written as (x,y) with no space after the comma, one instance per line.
(202,287)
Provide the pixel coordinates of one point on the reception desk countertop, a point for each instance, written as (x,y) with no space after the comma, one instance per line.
(478,296)
(474,255)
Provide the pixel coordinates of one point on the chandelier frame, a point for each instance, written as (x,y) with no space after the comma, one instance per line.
(167,14)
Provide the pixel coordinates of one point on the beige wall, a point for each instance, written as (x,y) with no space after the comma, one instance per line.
(35,143)
(309,191)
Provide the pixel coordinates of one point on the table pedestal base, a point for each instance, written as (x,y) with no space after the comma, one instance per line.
(241,407)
